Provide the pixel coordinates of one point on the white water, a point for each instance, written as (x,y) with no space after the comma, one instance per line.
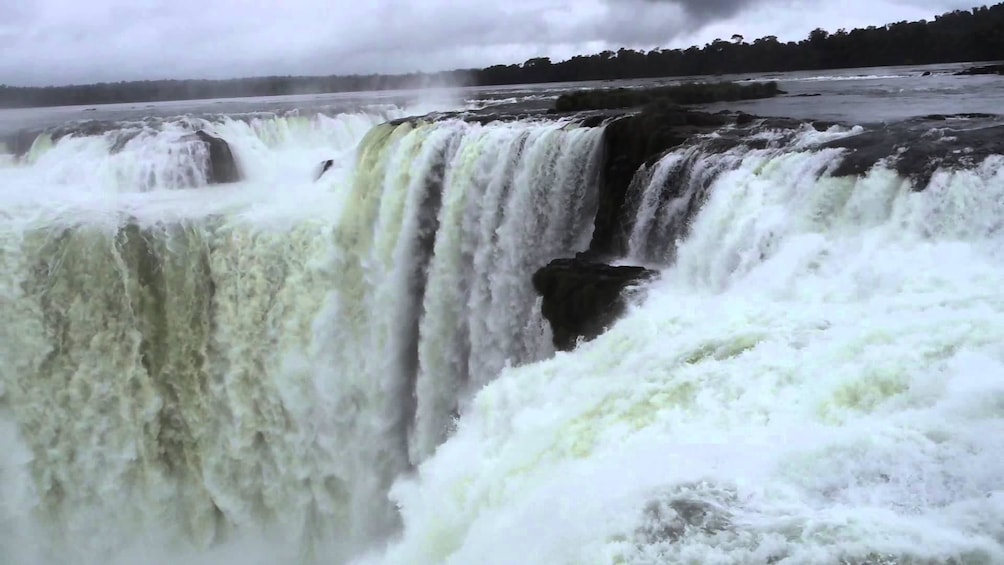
(819,379)
(237,374)
(188,370)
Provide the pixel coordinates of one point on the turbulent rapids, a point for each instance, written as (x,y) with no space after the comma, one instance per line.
(355,368)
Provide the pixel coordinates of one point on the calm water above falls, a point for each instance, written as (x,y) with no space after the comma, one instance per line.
(853,96)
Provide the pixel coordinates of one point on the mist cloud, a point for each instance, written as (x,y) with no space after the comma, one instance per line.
(67,41)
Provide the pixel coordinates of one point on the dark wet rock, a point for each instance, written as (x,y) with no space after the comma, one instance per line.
(686,510)
(84,128)
(668,521)
(482,117)
(926,74)
(916,150)
(964,116)
(690,93)
(19,143)
(630,142)
(805,95)
(984,70)
(642,139)
(123,138)
(820,125)
(581,298)
(593,121)
(222,165)
(324,168)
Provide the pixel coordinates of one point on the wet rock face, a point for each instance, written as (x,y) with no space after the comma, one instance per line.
(222,165)
(669,521)
(916,149)
(984,70)
(630,142)
(324,168)
(688,93)
(18,143)
(581,298)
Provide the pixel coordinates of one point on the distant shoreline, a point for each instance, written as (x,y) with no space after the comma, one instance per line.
(402,88)
(961,36)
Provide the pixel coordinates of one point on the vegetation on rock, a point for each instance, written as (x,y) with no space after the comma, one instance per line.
(664,96)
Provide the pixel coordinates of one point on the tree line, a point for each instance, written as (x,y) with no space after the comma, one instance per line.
(957,36)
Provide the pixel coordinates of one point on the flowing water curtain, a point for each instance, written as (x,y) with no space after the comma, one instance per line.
(119,329)
(808,382)
(497,226)
(440,234)
(163,372)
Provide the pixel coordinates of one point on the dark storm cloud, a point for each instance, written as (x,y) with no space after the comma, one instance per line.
(709,9)
(63,41)
(661,21)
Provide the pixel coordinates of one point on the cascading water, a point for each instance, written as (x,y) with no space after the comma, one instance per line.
(242,373)
(160,154)
(189,369)
(817,378)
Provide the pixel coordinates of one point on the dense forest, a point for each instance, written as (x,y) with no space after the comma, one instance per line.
(959,36)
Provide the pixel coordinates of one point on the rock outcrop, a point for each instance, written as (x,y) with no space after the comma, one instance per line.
(19,143)
(985,70)
(222,164)
(324,168)
(918,148)
(628,143)
(688,93)
(581,298)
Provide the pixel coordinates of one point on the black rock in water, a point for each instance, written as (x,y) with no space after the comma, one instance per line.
(222,165)
(985,70)
(581,298)
(689,93)
(324,168)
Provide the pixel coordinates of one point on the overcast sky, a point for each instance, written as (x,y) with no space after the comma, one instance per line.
(78,41)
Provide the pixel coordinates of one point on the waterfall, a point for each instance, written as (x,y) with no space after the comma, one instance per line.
(354,368)
(816,378)
(197,365)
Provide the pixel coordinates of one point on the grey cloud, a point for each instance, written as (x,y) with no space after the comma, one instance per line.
(710,9)
(64,41)
(702,10)
(658,22)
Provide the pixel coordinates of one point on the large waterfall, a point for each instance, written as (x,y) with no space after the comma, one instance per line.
(207,364)
(818,378)
(354,368)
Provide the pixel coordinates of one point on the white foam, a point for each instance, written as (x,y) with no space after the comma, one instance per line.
(190,369)
(819,379)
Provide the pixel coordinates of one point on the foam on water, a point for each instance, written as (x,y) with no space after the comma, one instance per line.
(819,379)
(241,373)
(186,370)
